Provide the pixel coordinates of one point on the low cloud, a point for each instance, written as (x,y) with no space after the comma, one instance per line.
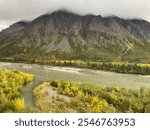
(14,10)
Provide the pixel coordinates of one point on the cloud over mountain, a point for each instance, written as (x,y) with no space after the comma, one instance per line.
(14,10)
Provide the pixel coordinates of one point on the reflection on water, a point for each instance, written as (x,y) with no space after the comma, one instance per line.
(47,73)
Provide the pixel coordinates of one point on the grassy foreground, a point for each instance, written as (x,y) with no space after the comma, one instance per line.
(64,96)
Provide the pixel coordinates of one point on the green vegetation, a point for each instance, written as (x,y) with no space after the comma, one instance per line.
(120,67)
(63,96)
(86,97)
(11,82)
(117,50)
(135,59)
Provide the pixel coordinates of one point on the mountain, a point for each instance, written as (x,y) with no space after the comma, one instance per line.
(78,37)
(14,28)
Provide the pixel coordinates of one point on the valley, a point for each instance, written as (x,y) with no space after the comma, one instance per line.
(66,62)
(43,73)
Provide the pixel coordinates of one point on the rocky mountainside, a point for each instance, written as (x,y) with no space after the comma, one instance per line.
(93,36)
(14,28)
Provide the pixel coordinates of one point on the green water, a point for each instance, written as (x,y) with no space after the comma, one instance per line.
(45,73)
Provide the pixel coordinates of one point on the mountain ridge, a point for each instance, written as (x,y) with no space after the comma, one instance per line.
(63,12)
(78,35)
(14,28)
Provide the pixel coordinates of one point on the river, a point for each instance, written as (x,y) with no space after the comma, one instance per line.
(47,73)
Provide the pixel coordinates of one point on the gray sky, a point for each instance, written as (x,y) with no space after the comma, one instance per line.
(14,10)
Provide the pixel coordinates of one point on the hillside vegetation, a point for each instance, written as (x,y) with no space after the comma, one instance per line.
(87,97)
(11,82)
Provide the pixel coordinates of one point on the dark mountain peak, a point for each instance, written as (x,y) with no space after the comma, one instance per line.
(67,21)
(23,23)
(18,26)
(57,15)
(139,21)
(67,15)
(113,17)
(91,16)
(63,12)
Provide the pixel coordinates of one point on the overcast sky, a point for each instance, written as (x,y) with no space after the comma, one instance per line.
(14,10)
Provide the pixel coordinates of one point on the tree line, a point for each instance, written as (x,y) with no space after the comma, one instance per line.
(119,67)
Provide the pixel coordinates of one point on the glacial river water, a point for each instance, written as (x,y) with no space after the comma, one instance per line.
(47,73)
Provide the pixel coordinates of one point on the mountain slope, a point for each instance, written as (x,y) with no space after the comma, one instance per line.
(14,28)
(79,37)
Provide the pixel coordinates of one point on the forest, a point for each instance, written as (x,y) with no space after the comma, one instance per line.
(119,67)
(60,58)
(63,96)
(11,82)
